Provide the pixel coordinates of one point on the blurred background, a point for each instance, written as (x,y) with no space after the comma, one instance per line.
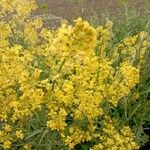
(92,9)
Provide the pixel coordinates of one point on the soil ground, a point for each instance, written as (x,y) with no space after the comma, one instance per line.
(71,9)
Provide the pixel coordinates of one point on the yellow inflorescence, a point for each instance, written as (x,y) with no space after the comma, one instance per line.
(7,145)
(68,73)
(113,140)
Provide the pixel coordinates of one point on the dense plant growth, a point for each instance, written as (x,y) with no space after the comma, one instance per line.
(69,88)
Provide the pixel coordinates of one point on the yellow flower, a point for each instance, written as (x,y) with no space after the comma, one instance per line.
(7,144)
(27,147)
(57,120)
(68,75)
(19,134)
(98,147)
(8,128)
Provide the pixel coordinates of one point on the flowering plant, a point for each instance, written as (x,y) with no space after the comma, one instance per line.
(62,88)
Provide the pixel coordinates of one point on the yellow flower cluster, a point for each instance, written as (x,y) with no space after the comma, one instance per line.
(132,48)
(104,34)
(68,73)
(76,136)
(113,140)
(21,8)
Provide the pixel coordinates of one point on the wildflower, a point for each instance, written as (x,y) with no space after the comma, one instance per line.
(8,128)
(7,144)
(27,147)
(19,134)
